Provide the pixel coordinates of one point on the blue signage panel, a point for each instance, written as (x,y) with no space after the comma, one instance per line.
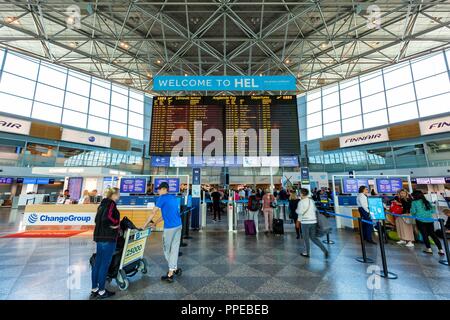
(376,208)
(289,161)
(4,180)
(220,83)
(389,185)
(133,185)
(351,185)
(174,184)
(29,180)
(304,172)
(196,176)
(160,161)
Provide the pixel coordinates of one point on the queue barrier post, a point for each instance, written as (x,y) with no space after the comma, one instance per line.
(328,241)
(385,238)
(385,272)
(364,258)
(188,224)
(445,262)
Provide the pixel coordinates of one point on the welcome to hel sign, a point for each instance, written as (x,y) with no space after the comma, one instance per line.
(222,83)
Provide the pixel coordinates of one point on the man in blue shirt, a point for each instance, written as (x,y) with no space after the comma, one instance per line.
(170,213)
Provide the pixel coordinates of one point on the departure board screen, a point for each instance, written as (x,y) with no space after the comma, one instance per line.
(225,112)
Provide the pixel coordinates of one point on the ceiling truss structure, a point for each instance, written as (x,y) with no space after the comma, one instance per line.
(318,42)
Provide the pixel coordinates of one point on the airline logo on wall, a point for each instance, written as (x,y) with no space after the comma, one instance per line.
(434,126)
(16,126)
(364,138)
(85,138)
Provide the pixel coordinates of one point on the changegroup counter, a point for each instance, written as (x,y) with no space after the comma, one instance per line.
(80,217)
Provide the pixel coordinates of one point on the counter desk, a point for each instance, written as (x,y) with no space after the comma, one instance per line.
(74,216)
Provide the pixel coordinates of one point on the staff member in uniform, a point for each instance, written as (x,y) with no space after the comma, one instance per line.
(170,213)
(363,208)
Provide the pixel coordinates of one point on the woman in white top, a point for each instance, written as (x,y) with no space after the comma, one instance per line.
(306,211)
(85,198)
(363,208)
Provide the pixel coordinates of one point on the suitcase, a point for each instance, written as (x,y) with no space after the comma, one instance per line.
(250,228)
(278,226)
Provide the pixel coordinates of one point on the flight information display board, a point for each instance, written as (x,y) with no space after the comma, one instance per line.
(222,113)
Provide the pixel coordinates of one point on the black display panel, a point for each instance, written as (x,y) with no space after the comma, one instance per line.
(222,113)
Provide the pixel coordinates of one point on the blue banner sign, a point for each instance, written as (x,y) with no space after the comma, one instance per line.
(351,185)
(133,185)
(289,161)
(389,185)
(160,161)
(174,184)
(220,83)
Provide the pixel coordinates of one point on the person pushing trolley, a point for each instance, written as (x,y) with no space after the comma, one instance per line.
(170,214)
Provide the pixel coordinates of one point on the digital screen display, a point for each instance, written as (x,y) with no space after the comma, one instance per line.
(221,113)
(133,185)
(376,208)
(174,184)
(423,181)
(389,185)
(351,185)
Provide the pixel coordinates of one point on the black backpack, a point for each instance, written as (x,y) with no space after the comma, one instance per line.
(254,204)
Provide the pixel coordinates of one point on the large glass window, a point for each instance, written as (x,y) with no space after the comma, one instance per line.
(428,66)
(434,105)
(33,88)
(21,66)
(397,75)
(400,95)
(53,76)
(403,112)
(374,102)
(371,84)
(432,86)
(16,85)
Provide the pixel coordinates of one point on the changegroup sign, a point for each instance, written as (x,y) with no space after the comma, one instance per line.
(59,218)
(12,125)
(221,83)
(433,126)
(85,138)
(364,138)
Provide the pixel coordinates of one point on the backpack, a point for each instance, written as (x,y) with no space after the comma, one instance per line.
(253,204)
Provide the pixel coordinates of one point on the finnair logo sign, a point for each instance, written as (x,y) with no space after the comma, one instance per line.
(364,138)
(434,126)
(16,126)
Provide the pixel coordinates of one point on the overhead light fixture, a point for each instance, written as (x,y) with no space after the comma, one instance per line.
(261,74)
(287,61)
(324,45)
(124,45)
(12,20)
(299,75)
(185,74)
(158,61)
(73,44)
(149,74)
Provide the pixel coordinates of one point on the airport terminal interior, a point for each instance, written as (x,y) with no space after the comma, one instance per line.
(224,150)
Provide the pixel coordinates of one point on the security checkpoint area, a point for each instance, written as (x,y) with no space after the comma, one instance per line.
(223,158)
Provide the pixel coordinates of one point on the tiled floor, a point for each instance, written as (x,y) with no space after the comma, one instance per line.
(222,265)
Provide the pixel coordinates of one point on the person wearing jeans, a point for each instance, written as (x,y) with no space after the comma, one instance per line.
(422,209)
(306,211)
(170,213)
(107,221)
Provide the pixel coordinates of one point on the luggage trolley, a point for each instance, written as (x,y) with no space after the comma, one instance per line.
(132,260)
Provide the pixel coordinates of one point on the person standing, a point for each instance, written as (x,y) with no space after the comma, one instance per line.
(405,230)
(268,199)
(253,207)
(170,214)
(216,197)
(293,204)
(106,232)
(363,208)
(306,211)
(423,210)
(85,198)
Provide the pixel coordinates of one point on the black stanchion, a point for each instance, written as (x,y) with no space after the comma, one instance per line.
(188,225)
(445,262)
(364,258)
(183,228)
(385,272)
(328,241)
(385,238)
